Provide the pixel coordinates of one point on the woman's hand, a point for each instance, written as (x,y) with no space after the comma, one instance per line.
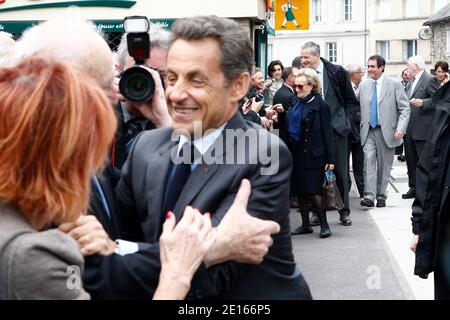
(329,166)
(183,248)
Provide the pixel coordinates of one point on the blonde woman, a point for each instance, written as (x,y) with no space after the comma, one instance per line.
(310,139)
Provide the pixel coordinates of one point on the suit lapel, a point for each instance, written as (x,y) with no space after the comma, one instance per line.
(156,185)
(383,90)
(419,83)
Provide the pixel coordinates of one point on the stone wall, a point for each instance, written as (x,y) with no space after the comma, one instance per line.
(439,42)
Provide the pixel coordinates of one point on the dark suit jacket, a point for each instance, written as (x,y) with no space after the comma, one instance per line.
(212,188)
(285,96)
(428,210)
(420,118)
(134,276)
(339,95)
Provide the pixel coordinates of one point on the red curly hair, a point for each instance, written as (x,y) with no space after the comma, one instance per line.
(55,129)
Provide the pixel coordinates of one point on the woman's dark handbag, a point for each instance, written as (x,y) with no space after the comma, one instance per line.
(331,197)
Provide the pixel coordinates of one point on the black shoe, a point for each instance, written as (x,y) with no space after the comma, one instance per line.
(345,219)
(381,203)
(314,221)
(325,232)
(411,194)
(401,158)
(367,202)
(302,230)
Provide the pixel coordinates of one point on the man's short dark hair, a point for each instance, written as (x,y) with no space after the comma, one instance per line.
(236,50)
(297,62)
(379,59)
(286,73)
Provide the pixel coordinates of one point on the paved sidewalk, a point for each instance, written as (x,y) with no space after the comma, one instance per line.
(369,260)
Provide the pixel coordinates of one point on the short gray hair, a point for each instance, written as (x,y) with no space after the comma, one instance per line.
(353,68)
(236,54)
(159,37)
(314,47)
(418,61)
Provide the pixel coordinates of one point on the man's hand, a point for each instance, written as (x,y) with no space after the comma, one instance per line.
(90,235)
(414,242)
(278,107)
(417,103)
(241,237)
(156,109)
(266,123)
(399,135)
(256,105)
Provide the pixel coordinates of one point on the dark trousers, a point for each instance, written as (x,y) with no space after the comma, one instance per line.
(413,150)
(356,150)
(341,169)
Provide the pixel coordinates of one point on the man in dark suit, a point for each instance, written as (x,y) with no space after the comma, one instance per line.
(431,207)
(339,95)
(132,272)
(420,118)
(208,72)
(284,96)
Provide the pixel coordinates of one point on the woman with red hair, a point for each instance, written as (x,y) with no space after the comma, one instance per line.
(56,126)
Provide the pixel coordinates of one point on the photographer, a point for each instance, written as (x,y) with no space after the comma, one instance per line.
(136,117)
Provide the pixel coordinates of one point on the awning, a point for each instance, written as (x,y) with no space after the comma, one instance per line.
(104,25)
(268,29)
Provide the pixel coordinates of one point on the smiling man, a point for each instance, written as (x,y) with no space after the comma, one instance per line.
(208,72)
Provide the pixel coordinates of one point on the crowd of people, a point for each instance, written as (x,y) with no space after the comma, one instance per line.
(123,192)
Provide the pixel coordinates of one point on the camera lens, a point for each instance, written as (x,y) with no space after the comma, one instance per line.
(137,85)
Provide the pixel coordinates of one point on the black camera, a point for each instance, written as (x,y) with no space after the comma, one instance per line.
(136,83)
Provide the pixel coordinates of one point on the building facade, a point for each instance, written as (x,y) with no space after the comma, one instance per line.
(17,15)
(440,41)
(394,30)
(340,27)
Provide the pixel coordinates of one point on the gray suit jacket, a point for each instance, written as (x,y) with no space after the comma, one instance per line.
(420,119)
(212,188)
(37,265)
(393,109)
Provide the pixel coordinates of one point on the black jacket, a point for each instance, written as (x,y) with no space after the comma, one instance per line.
(317,134)
(427,210)
(339,95)
(286,97)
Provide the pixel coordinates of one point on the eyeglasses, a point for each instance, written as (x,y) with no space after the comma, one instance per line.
(299,86)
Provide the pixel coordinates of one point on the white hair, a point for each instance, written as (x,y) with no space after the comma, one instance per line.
(353,68)
(74,41)
(418,61)
(7,44)
(159,37)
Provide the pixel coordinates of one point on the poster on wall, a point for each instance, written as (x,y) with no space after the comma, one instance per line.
(291,14)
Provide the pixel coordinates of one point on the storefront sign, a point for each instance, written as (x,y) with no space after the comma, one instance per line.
(291,14)
(36,4)
(104,25)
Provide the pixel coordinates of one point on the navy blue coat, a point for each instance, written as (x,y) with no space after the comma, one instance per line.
(315,149)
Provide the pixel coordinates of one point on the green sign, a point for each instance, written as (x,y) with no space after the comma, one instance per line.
(104,25)
(79,3)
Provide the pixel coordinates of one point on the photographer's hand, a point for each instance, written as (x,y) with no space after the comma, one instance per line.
(156,109)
